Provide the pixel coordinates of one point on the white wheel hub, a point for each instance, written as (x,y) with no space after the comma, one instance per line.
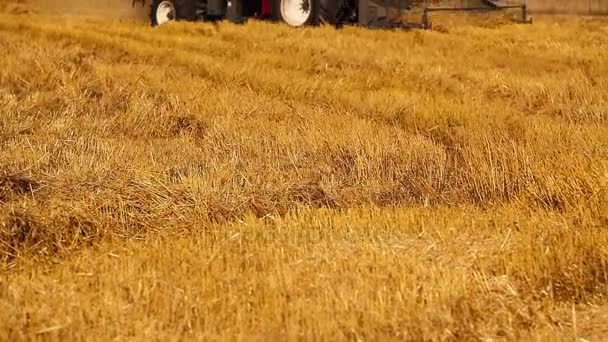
(165,12)
(296,12)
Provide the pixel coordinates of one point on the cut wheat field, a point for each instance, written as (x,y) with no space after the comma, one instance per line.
(258,182)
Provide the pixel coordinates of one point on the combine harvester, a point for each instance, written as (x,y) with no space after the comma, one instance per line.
(365,13)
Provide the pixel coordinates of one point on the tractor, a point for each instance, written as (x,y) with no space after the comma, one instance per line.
(293,12)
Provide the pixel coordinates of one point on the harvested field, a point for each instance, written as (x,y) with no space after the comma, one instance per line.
(262,182)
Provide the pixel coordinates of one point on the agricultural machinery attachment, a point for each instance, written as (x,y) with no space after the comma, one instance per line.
(473,6)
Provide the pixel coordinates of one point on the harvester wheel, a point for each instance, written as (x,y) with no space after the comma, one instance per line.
(299,12)
(314,12)
(162,11)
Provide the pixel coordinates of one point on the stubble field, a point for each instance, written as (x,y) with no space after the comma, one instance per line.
(260,182)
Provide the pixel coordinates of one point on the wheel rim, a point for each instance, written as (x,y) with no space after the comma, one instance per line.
(295,12)
(165,12)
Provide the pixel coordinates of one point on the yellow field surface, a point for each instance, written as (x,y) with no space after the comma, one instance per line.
(260,182)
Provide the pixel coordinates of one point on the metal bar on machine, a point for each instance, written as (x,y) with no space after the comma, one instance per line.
(363,12)
(445,9)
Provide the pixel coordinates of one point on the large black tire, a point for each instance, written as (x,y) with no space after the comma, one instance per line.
(338,12)
(344,12)
(183,10)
